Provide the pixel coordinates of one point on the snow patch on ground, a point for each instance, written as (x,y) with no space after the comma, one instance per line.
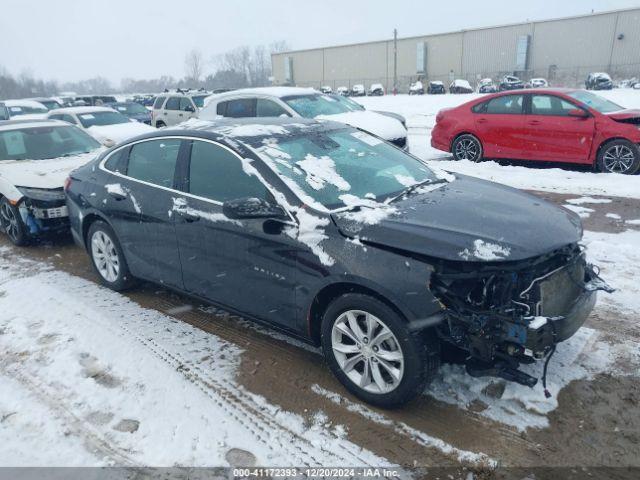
(583,200)
(583,212)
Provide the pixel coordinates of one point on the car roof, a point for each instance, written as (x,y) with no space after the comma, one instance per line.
(247,130)
(18,124)
(278,92)
(79,110)
(23,102)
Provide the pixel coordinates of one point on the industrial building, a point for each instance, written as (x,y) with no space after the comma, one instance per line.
(563,50)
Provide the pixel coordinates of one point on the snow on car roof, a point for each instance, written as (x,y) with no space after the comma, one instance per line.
(24,103)
(20,124)
(272,91)
(79,110)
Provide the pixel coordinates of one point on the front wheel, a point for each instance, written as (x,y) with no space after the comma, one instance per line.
(372,352)
(11,223)
(467,147)
(619,156)
(107,257)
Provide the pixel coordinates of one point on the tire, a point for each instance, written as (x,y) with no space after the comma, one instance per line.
(11,223)
(619,156)
(107,257)
(467,147)
(160,124)
(357,360)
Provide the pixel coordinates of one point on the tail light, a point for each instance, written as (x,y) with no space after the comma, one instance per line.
(67,184)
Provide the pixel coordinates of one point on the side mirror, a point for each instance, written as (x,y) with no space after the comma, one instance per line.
(189,108)
(577,113)
(246,208)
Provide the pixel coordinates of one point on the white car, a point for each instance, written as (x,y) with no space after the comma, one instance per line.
(36,156)
(104,124)
(416,88)
(300,102)
(172,108)
(376,89)
(358,90)
(26,109)
(538,83)
(326,89)
(344,91)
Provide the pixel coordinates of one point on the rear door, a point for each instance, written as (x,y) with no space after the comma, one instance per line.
(139,203)
(237,108)
(500,126)
(553,135)
(241,264)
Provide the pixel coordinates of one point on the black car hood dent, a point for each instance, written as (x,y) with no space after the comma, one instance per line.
(470,220)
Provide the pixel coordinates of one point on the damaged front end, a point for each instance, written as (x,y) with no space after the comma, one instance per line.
(43,210)
(507,313)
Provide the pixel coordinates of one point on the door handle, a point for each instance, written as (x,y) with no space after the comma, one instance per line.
(189,217)
(165,113)
(179,114)
(534,122)
(482,120)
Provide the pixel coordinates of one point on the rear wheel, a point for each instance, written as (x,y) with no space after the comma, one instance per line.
(160,124)
(467,147)
(11,223)
(372,352)
(107,257)
(619,156)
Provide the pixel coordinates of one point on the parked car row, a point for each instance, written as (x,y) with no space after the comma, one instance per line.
(552,125)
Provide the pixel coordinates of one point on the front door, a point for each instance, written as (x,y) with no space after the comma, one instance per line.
(553,135)
(500,126)
(171,112)
(241,264)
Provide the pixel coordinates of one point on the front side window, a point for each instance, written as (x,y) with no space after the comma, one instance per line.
(44,142)
(329,164)
(269,108)
(216,173)
(101,118)
(505,105)
(173,103)
(240,108)
(157,105)
(550,105)
(311,106)
(199,100)
(154,161)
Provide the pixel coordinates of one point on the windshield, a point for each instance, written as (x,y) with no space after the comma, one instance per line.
(25,110)
(44,142)
(596,102)
(50,104)
(199,100)
(311,106)
(325,166)
(101,118)
(131,108)
(347,102)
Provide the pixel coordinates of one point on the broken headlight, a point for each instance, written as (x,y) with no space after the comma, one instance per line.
(43,194)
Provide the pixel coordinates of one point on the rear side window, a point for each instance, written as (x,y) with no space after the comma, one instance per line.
(506,105)
(216,173)
(157,105)
(116,161)
(173,103)
(154,161)
(550,105)
(269,108)
(185,103)
(241,108)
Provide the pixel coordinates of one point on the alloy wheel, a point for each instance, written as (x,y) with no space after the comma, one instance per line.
(467,149)
(105,256)
(9,221)
(367,351)
(618,159)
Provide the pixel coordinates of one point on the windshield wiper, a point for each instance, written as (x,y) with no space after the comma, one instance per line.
(415,186)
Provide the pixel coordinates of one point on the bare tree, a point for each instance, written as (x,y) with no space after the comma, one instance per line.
(193,65)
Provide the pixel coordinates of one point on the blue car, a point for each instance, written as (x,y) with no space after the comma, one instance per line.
(132,110)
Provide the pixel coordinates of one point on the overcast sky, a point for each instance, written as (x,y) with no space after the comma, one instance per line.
(76,39)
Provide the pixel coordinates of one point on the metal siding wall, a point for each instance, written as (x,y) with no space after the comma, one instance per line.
(491,51)
(626,52)
(364,63)
(307,68)
(572,43)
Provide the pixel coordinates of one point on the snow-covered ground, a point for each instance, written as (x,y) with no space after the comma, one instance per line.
(421,110)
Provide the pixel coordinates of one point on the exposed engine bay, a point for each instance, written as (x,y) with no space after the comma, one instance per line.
(507,313)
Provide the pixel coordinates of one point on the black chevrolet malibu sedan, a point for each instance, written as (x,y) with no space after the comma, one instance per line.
(334,235)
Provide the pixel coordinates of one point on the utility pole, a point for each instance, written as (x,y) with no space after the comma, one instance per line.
(395,61)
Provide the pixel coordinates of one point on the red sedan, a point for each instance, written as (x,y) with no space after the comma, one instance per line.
(551,125)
